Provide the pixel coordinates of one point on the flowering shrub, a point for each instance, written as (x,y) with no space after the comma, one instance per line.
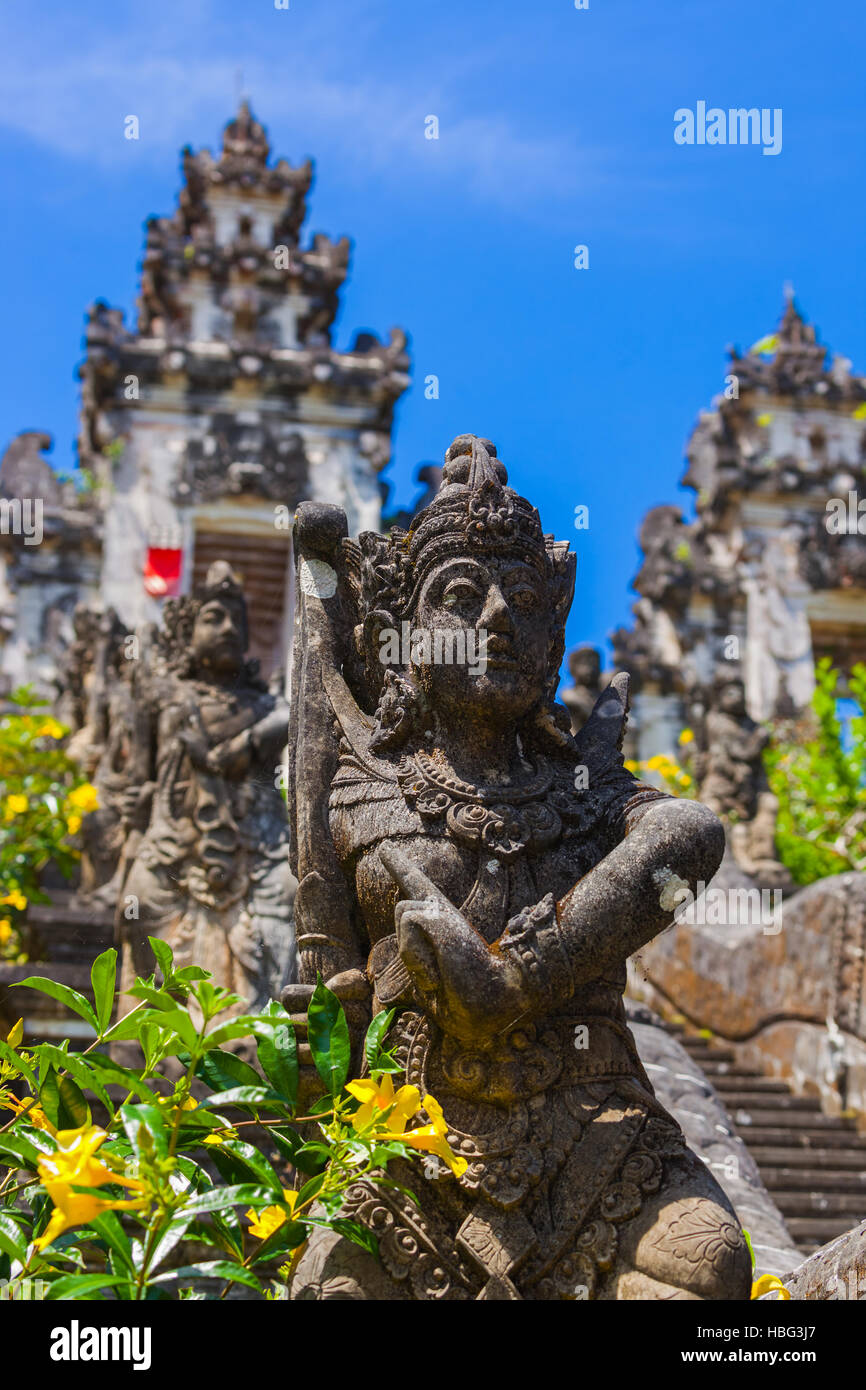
(677,780)
(43,798)
(819,782)
(108,1208)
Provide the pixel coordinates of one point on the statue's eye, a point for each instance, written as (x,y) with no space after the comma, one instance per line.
(523,599)
(460,593)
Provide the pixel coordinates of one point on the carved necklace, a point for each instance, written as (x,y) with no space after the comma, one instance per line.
(505,822)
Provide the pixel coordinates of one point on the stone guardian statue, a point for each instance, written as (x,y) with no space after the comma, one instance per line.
(465,861)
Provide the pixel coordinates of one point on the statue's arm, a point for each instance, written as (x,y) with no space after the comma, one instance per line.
(631,894)
(475,991)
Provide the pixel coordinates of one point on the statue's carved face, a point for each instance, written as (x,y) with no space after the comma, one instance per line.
(501,606)
(731,697)
(217,638)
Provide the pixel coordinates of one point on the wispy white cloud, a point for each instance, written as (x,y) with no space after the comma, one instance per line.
(72,98)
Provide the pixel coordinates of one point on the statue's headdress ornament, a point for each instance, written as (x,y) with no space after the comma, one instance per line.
(474,511)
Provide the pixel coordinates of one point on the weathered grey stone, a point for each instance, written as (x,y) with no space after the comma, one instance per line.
(463,859)
(684,1090)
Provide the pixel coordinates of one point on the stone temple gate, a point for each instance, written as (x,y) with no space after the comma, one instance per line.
(764,577)
(206,423)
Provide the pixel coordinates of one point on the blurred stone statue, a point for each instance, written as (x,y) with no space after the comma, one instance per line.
(729,771)
(210,874)
(584,665)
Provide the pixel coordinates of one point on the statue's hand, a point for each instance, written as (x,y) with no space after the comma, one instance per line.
(471,991)
(232,757)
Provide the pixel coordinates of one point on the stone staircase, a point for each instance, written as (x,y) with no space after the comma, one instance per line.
(71,934)
(813,1165)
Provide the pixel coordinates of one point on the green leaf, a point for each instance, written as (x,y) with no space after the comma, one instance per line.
(63,1101)
(70,997)
(223,1070)
(278,1055)
(238,1161)
(144,1126)
(110,1230)
(117,1075)
(212,1269)
(286,1237)
(356,1233)
(22,1147)
(12,1241)
(253,1096)
(103,976)
(310,1189)
(375,1034)
(217,1198)
(81,1285)
(328,1036)
(128,1026)
(79,1068)
(164,956)
(179,1022)
(9,1055)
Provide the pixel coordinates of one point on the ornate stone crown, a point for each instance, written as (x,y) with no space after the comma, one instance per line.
(474,512)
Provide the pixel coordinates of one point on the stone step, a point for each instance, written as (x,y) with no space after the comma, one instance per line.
(760,1101)
(811,1160)
(793,1118)
(702,1052)
(811,1232)
(784,1137)
(821,1203)
(749,1082)
(807,1179)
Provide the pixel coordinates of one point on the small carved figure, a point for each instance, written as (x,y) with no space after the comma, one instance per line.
(584,665)
(211,873)
(465,861)
(729,771)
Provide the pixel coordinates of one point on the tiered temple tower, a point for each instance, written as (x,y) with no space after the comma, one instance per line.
(762,577)
(226,405)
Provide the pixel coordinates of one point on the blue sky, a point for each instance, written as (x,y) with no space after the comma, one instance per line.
(556,129)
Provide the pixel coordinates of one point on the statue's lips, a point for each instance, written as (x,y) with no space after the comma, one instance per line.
(499,662)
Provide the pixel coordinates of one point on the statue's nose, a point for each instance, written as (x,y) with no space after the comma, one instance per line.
(496,615)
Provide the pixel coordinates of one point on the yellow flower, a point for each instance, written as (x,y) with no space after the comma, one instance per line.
(769,1283)
(659,762)
(73,825)
(763,420)
(685,780)
(84,798)
(16,805)
(687,736)
(5,930)
(50,728)
(860,412)
(33,1114)
(75,1165)
(378,1097)
(15,899)
(16,1033)
(220,1136)
(262,1224)
(432,1138)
